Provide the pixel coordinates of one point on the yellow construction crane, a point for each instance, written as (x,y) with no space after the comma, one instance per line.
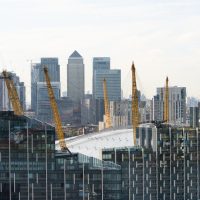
(56,116)
(12,93)
(135,109)
(106,105)
(166,101)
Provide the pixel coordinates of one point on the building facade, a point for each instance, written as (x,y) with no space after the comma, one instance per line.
(137,182)
(121,113)
(31,168)
(5,104)
(35,69)
(163,166)
(177,105)
(40,103)
(99,63)
(88,111)
(43,111)
(113,81)
(194,117)
(75,77)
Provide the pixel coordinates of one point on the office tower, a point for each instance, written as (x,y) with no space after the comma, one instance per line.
(21,89)
(66,110)
(35,70)
(4,100)
(31,168)
(88,110)
(40,103)
(75,77)
(5,103)
(99,63)
(194,117)
(177,105)
(53,69)
(44,112)
(113,80)
(101,70)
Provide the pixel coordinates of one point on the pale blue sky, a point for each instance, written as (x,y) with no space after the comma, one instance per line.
(161,36)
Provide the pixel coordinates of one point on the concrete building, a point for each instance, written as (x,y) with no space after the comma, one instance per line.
(121,113)
(177,105)
(75,77)
(4,100)
(145,110)
(5,104)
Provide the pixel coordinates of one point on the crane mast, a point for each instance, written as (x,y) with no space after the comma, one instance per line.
(106,105)
(135,109)
(12,93)
(166,101)
(56,116)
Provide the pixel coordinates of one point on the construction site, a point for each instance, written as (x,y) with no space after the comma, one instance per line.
(154,160)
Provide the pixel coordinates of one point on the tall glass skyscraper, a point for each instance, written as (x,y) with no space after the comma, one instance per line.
(39,97)
(75,77)
(113,80)
(101,70)
(99,63)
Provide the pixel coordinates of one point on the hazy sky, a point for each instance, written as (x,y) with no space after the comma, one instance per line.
(161,36)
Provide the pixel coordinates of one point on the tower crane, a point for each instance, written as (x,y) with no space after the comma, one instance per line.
(106,105)
(166,101)
(56,116)
(135,109)
(12,93)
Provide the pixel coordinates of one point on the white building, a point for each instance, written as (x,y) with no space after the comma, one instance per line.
(177,105)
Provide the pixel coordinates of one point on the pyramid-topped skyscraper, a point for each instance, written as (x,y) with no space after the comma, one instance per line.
(75,77)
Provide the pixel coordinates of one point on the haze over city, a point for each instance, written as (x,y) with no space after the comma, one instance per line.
(99,100)
(162,37)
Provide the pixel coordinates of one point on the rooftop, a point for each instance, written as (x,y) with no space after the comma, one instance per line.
(75,54)
(92,144)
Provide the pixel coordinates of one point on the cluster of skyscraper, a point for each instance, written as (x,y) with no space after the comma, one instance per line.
(80,109)
(165,165)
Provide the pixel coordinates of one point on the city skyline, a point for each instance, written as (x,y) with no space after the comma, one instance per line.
(162,41)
